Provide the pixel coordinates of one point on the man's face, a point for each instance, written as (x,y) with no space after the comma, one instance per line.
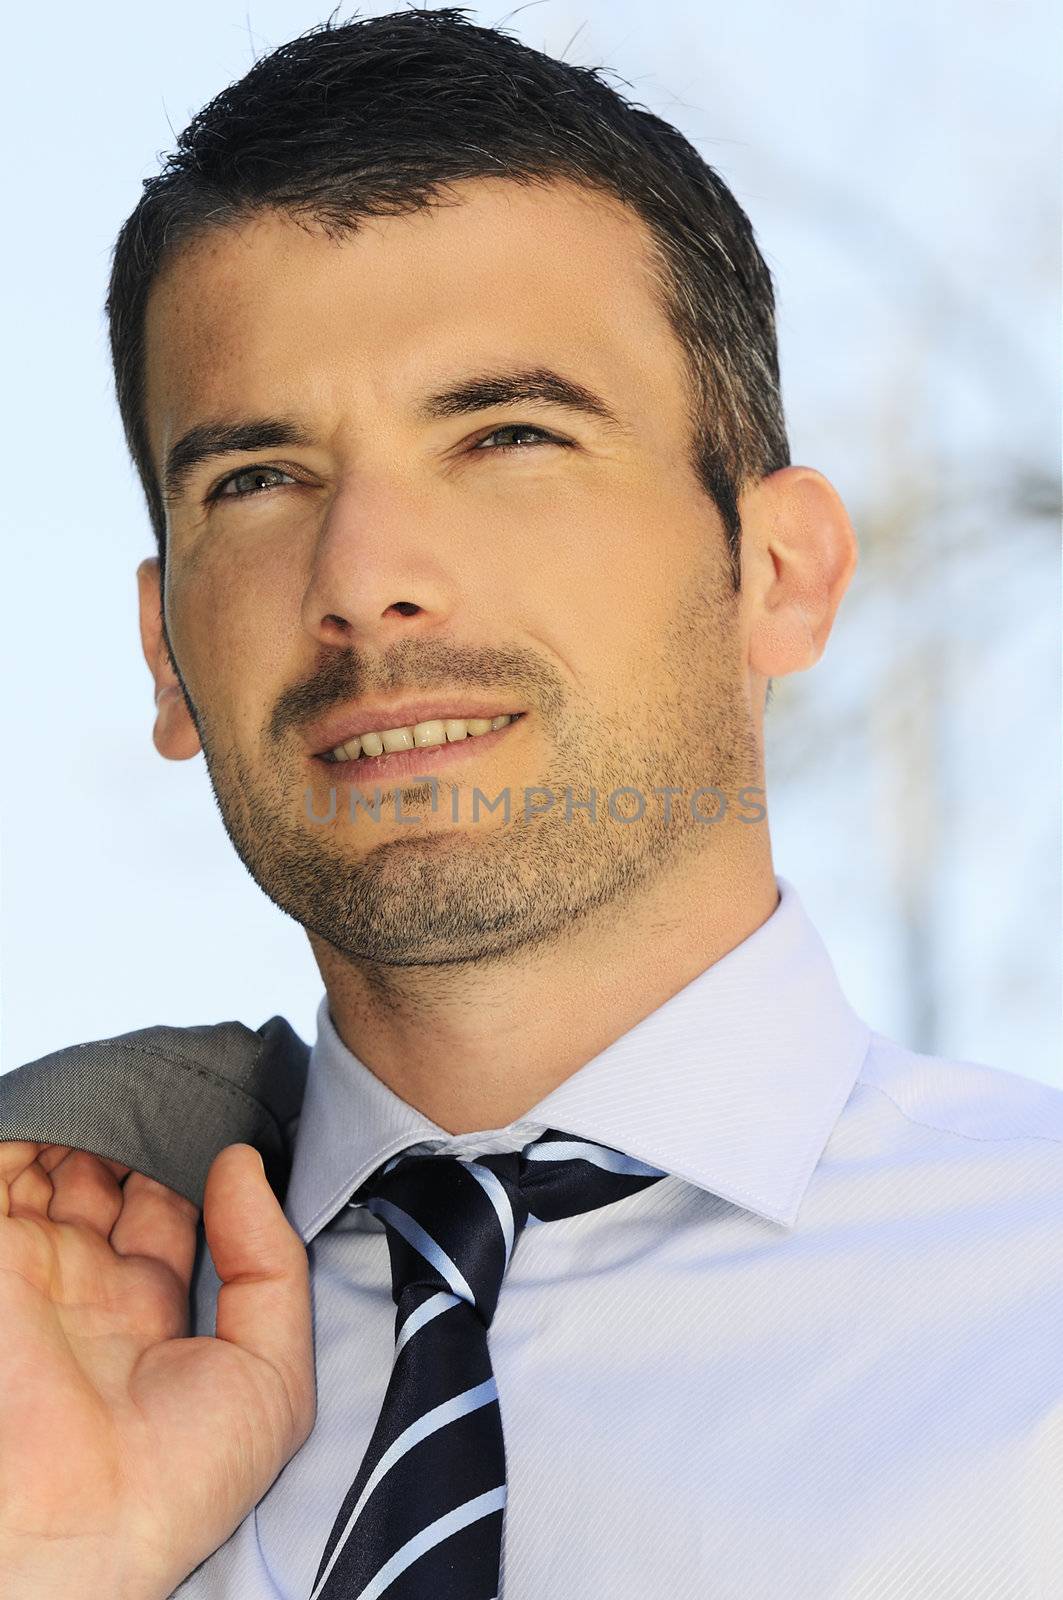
(579,577)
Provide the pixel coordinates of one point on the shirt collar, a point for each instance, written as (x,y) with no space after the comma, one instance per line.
(733,1084)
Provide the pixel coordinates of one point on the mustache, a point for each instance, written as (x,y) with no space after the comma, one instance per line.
(412,667)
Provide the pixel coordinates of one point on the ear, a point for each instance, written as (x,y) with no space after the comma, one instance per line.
(799,552)
(174,734)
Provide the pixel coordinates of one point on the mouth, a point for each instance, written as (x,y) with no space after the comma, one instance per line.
(394,766)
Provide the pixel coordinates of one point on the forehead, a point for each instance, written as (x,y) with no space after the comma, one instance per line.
(273,315)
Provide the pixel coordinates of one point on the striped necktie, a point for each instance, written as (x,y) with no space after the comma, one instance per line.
(423,1518)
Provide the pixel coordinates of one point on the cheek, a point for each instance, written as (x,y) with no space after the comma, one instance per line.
(613,576)
(229,628)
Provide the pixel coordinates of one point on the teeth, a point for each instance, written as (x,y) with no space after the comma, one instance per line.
(421,735)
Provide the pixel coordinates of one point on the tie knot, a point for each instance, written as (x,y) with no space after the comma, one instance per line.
(452,1222)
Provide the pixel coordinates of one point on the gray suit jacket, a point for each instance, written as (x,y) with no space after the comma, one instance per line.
(165,1100)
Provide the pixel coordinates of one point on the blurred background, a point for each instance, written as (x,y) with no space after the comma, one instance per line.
(900,165)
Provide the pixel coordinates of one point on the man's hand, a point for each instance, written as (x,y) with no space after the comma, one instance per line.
(128,1451)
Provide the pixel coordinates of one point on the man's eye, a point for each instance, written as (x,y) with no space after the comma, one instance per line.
(516,427)
(226,491)
(228,488)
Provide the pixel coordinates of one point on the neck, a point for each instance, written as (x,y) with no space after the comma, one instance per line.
(474,1046)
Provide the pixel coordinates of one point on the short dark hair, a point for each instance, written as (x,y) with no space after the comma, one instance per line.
(377,116)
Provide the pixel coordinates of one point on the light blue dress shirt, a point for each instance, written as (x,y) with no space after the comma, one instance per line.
(821,1360)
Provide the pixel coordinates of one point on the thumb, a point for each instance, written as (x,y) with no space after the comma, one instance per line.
(264,1301)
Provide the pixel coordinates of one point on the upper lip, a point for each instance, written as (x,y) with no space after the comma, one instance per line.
(347,723)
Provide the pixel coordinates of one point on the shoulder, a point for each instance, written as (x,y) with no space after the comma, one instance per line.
(966,1099)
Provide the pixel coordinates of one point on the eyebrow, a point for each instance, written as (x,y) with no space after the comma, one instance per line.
(499,389)
(207,440)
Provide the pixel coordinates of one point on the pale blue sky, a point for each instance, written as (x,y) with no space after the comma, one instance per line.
(900,165)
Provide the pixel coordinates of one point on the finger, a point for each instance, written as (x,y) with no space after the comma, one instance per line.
(51,1155)
(24,1187)
(16,1155)
(85,1190)
(263,1304)
(158,1223)
(27,1187)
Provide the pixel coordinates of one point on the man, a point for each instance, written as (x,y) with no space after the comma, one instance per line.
(451,380)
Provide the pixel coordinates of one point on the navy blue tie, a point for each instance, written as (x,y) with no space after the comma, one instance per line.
(423,1518)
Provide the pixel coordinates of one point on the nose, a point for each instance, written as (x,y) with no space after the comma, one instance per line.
(378,575)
